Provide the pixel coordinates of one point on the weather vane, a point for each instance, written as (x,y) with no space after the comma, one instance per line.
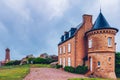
(100,5)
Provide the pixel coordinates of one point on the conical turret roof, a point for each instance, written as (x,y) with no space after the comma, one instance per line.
(101,23)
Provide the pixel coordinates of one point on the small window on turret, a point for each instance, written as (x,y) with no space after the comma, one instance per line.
(109,59)
(109,41)
(98,64)
(90,43)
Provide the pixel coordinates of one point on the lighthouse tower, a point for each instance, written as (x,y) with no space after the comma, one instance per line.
(102,48)
(7,56)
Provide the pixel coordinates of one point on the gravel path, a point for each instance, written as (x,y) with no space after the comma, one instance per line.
(50,74)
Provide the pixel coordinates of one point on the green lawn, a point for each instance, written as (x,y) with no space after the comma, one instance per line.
(90,79)
(40,66)
(13,72)
(17,72)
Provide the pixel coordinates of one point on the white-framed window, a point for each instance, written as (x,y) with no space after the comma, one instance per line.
(60,61)
(63,49)
(64,38)
(90,43)
(69,61)
(69,47)
(98,63)
(60,50)
(109,41)
(69,33)
(63,62)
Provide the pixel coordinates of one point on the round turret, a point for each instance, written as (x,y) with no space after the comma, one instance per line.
(102,48)
(102,40)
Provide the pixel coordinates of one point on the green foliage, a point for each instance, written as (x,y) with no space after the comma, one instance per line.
(58,66)
(81,69)
(40,60)
(69,69)
(30,60)
(78,69)
(16,62)
(117,64)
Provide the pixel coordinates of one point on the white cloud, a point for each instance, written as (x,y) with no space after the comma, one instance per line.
(18,7)
(50,8)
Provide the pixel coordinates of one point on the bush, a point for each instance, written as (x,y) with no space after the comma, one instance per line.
(58,66)
(69,69)
(81,69)
(16,62)
(40,61)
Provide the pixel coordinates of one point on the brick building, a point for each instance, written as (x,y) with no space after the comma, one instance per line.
(90,44)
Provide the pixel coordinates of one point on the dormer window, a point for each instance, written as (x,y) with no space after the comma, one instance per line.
(70,34)
(109,41)
(90,43)
(64,37)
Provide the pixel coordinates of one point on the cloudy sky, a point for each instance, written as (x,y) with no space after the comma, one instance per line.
(35,26)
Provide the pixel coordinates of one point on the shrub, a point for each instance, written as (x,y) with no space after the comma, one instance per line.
(69,69)
(58,66)
(81,69)
(16,62)
(40,61)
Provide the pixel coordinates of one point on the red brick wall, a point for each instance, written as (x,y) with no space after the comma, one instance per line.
(78,43)
(67,54)
(100,51)
(81,42)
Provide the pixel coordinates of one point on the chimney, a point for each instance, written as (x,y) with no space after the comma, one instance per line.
(87,18)
(87,22)
(65,32)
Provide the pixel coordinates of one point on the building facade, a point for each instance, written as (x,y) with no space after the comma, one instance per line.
(90,44)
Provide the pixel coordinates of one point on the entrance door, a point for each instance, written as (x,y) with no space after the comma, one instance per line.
(90,64)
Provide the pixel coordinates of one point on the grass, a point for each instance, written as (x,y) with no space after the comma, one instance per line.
(18,72)
(40,66)
(90,79)
(13,72)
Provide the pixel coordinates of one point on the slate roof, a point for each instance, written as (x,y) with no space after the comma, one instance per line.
(101,23)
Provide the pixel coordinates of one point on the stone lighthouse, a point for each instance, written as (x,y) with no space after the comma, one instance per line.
(7,56)
(102,48)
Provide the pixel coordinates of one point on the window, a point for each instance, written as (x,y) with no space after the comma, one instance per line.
(90,43)
(70,34)
(63,62)
(69,47)
(69,61)
(98,63)
(63,49)
(109,41)
(60,61)
(64,37)
(60,50)
(109,59)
